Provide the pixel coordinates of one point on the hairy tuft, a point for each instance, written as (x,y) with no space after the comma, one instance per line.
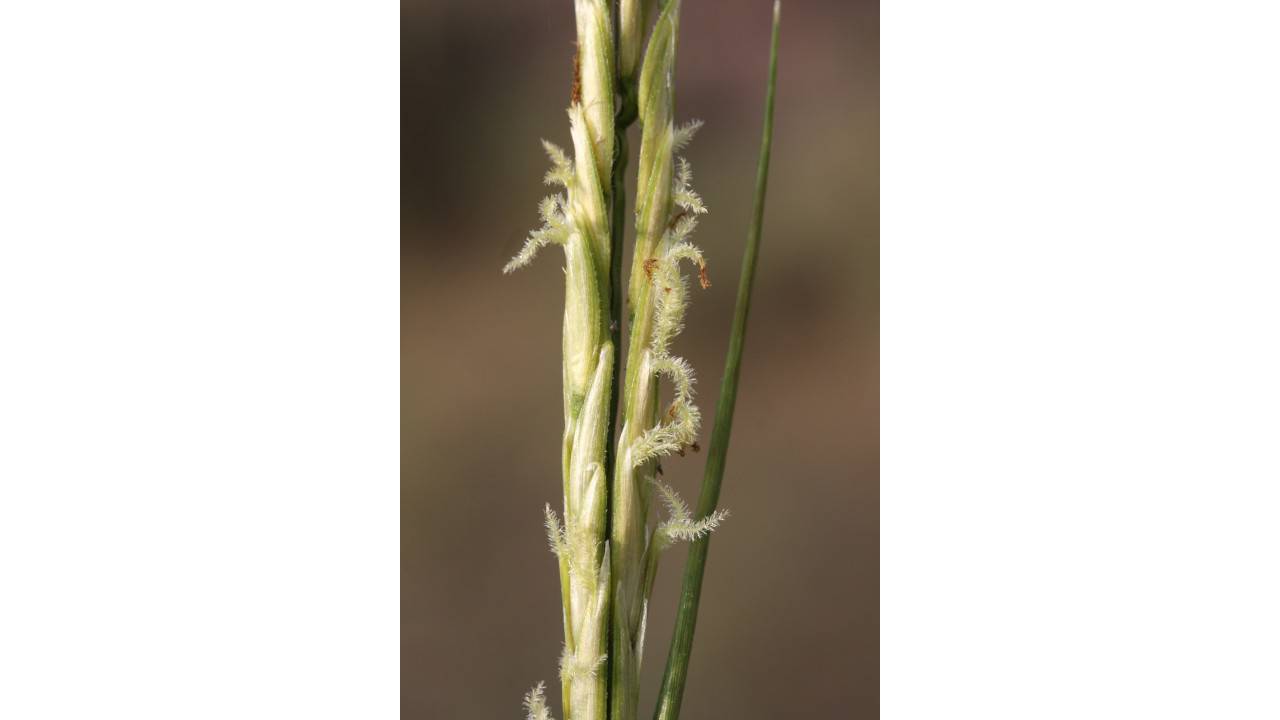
(561,172)
(535,703)
(682,194)
(684,134)
(555,229)
(680,524)
(556,535)
(574,668)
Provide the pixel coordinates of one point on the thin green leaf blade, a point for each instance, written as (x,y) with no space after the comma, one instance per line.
(673,677)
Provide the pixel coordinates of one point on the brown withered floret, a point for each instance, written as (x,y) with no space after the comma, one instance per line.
(649,265)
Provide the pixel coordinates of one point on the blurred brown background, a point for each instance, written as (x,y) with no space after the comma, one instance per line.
(790,615)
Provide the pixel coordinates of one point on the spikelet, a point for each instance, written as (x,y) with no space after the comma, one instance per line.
(635,15)
(595,71)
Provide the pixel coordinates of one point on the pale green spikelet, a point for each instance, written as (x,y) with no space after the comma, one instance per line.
(595,72)
(634,17)
(653,205)
(587,193)
(585,482)
(582,535)
(586,315)
(657,141)
(584,654)
(659,65)
(536,704)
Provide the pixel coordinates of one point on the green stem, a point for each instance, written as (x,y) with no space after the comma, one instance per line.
(673,677)
(626,116)
(618,213)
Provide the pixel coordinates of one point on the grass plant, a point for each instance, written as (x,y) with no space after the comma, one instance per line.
(607,546)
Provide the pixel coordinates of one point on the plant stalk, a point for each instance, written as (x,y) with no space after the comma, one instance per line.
(677,668)
(618,213)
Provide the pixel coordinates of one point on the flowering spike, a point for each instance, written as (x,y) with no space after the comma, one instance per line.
(665,215)
(578,220)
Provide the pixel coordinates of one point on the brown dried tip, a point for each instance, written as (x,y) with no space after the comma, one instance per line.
(680,452)
(702,274)
(649,265)
(696,447)
(575,95)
